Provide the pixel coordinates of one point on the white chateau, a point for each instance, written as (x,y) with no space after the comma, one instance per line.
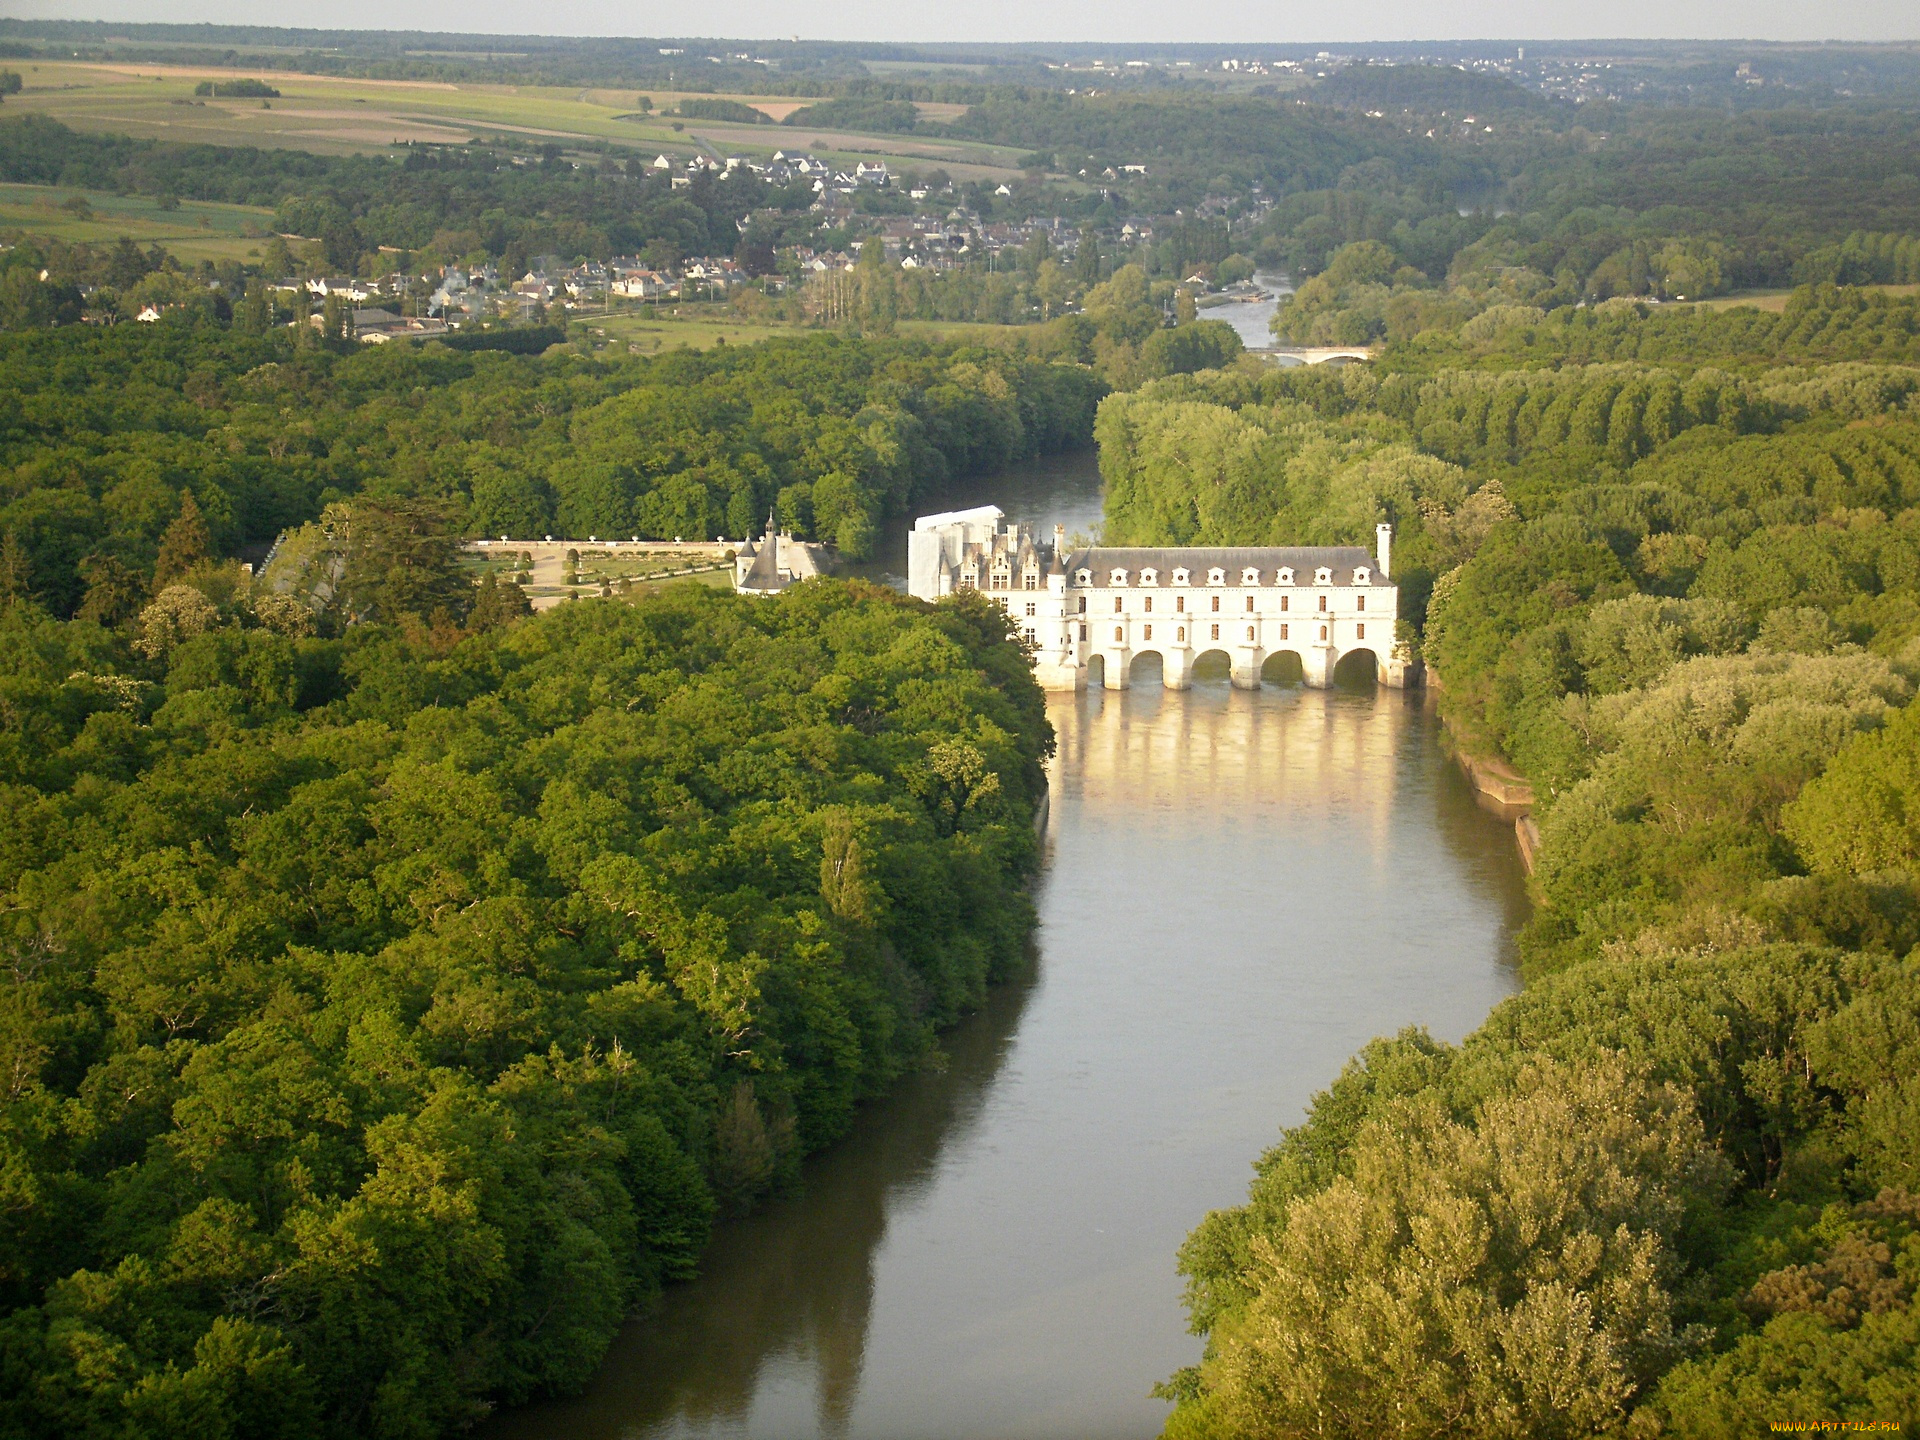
(1103,605)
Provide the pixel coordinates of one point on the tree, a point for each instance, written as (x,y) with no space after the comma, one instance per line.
(177,614)
(1863,814)
(403,560)
(185,545)
(114,590)
(16,572)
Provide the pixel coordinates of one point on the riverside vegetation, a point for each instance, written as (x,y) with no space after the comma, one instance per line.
(1668,565)
(396,984)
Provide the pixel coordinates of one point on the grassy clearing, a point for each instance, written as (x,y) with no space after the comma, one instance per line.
(700,327)
(329,115)
(1776,300)
(192,232)
(652,330)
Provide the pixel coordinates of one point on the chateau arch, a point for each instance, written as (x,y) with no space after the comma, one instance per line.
(1358,668)
(1211,666)
(1283,667)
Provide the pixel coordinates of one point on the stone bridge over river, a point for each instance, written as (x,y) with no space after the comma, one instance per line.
(1094,611)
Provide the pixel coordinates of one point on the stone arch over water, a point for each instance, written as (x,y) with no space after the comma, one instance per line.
(1147,667)
(1357,669)
(1096,671)
(1212,667)
(1283,667)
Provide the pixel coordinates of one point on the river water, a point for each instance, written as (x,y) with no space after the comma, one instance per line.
(1239,890)
(1251,318)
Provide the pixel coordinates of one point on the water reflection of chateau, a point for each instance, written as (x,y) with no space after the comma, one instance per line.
(1095,610)
(1321,754)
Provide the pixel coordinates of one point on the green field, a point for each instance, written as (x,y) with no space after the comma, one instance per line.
(194,231)
(340,116)
(659,328)
(1776,300)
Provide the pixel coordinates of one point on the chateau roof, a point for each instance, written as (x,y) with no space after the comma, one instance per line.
(1342,560)
(763,576)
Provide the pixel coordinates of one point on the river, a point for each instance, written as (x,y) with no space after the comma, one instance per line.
(1239,890)
(1251,318)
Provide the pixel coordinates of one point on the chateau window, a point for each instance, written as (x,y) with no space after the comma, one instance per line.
(1359,602)
(1116,604)
(1032,609)
(1249,604)
(1283,602)
(1249,632)
(1323,576)
(1359,632)
(1362,576)
(1216,604)
(1182,576)
(1118,635)
(1216,632)
(1031,581)
(1216,576)
(1083,577)
(1283,632)
(1083,604)
(1286,574)
(1083,632)
(1118,577)
(1146,632)
(1147,604)
(1181,635)
(1180,604)
(1323,604)
(1323,632)
(1149,577)
(1028,633)
(1249,576)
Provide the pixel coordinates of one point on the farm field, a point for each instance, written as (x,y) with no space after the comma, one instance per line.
(194,231)
(651,330)
(1776,300)
(332,115)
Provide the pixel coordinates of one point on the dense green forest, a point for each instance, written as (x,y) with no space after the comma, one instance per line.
(398,984)
(106,428)
(384,1016)
(1665,564)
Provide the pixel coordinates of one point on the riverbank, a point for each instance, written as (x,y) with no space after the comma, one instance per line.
(1498,787)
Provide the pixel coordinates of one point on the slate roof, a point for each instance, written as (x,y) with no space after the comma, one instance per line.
(1343,560)
(763,576)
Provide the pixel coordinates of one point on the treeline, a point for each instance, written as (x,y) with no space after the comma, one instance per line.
(450,203)
(1671,203)
(1670,1188)
(106,429)
(1126,328)
(386,1016)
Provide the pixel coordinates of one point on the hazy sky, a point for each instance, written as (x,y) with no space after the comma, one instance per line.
(1221,21)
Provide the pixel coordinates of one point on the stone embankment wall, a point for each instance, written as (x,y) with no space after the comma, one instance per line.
(1502,788)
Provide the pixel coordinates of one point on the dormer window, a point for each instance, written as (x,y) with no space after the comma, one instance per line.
(1083,577)
(1323,576)
(1362,576)
(1182,576)
(1149,577)
(1216,576)
(1118,577)
(1250,576)
(1286,574)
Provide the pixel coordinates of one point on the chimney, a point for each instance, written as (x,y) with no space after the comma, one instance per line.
(1383,548)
